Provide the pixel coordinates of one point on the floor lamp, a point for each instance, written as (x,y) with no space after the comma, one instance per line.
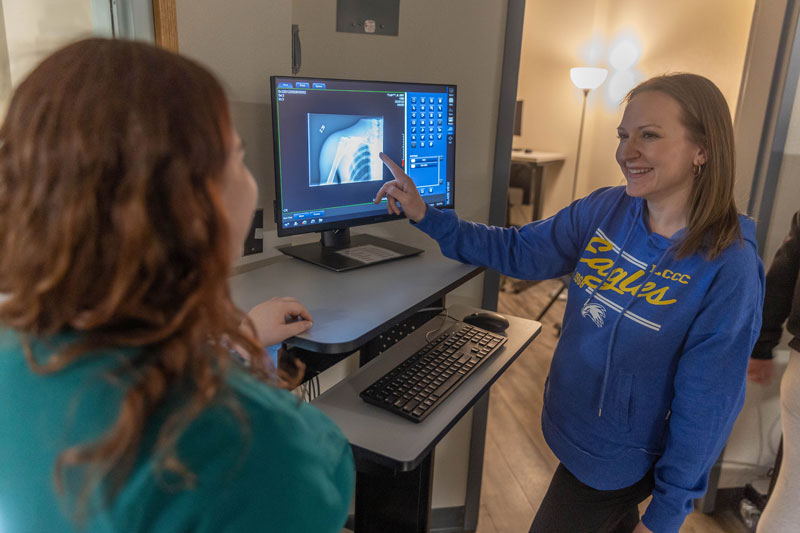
(585,78)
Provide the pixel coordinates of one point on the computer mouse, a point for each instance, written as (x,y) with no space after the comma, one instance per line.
(487,320)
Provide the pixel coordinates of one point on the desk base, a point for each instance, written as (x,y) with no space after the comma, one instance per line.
(336,257)
(391,500)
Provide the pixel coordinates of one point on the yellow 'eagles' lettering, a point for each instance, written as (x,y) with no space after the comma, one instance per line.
(605,246)
(621,281)
(601,265)
(656,297)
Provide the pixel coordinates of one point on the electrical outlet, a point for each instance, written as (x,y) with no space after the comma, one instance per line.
(254,244)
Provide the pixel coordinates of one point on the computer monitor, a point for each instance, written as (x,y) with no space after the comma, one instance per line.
(327,136)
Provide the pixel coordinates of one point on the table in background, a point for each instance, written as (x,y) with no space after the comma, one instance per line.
(532,186)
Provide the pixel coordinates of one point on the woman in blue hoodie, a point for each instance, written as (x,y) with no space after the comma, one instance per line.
(663,310)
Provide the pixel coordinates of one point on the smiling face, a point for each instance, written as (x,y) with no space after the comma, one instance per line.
(655,152)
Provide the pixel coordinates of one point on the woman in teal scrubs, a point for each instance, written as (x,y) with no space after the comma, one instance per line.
(124,199)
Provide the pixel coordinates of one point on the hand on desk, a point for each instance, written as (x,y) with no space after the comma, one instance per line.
(278,319)
(401,189)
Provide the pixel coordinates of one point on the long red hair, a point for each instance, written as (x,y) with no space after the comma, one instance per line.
(112,225)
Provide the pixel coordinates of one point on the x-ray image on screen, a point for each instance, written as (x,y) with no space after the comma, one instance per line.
(344,149)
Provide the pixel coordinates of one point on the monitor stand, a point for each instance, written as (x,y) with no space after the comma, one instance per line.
(336,250)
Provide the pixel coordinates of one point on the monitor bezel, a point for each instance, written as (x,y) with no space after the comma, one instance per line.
(341,224)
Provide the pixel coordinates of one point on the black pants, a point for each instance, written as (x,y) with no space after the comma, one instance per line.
(572,507)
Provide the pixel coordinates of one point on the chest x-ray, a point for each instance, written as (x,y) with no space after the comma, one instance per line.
(344,149)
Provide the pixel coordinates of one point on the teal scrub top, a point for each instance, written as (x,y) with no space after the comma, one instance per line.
(289,469)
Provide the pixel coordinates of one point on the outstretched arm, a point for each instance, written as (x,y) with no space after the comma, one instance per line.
(540,250)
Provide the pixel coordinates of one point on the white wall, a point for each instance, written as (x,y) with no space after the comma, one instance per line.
(5,67)
(34,28)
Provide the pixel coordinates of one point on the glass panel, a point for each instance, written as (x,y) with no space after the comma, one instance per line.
(787,189)
(133,19)
(102,20)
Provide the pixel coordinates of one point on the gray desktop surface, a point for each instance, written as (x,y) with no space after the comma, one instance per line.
(378,436)
(350,308)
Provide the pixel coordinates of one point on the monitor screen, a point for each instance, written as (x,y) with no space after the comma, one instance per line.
(327,137)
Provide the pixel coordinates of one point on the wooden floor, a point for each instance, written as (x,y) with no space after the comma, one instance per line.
(518,464)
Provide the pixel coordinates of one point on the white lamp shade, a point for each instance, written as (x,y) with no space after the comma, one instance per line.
(588,77)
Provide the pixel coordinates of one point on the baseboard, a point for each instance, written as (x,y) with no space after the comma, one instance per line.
(443,520)
(447,519)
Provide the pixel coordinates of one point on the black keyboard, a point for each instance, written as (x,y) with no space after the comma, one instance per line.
(419,384)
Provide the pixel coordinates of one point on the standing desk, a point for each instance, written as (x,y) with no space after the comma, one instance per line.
(393,456)
(532,187)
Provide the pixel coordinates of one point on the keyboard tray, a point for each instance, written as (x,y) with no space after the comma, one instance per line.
(415,387)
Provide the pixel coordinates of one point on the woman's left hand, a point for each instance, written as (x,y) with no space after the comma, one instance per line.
(290,375)
(278,319)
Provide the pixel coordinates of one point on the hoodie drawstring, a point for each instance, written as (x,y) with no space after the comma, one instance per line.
(613,335)
(607,369)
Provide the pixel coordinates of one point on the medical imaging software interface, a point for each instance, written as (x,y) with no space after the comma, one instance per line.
(328,134)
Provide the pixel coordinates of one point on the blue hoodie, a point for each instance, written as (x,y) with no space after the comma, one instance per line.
(651,365)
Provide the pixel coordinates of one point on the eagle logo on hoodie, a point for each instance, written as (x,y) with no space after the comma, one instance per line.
(596,312)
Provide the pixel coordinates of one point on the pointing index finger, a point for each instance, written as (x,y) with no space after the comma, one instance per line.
(398,173)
